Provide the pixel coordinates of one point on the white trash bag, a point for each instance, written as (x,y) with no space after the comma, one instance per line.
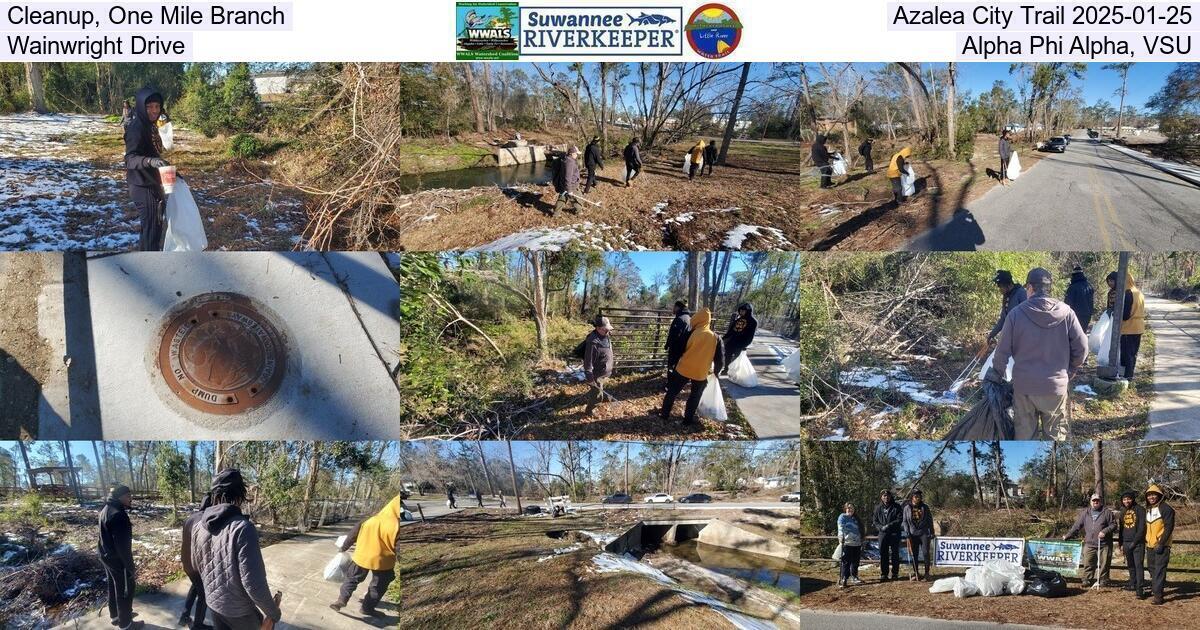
(908,181)
(792,365)
(712,403)
(1014,166)
(944,585)
(987,365)
(185,228)
(741,371)
(341,540)
(335,569)
(963,588)
(837,553)
(1100,339)
(167,133)
(838,164)
(687,163)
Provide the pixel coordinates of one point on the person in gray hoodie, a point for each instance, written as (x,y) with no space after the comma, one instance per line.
(597,360)
(225,552)
(1047,345)
(1098,524)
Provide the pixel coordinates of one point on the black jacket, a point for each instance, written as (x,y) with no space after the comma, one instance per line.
(740,333)
(1011,300)
(864,149)
(633,156)
(710,153)
(1081,297)
(1005,149)
(1131,525)
(820,154)
(677,334)
(140,147)
(591,156)
(887,518)
(116,535)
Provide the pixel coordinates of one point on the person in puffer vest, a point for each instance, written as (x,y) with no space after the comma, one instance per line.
(225,552)
(375,542)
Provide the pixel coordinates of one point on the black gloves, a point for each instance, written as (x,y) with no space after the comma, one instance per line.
(156,162)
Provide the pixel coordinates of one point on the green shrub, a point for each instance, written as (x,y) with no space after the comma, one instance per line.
(245,146)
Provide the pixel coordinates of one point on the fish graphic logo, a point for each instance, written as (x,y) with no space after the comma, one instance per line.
(713,31)
(656,19)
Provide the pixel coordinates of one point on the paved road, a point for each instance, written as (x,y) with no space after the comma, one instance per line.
(772,408)
(1089,198)
(1175,411)
(823,620)
(294,567)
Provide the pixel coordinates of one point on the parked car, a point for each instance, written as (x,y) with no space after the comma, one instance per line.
(1055,145)
(661,497)
(619,497)
(791,497)
(698,497)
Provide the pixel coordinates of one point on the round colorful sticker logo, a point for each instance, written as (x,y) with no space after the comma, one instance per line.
(714,31)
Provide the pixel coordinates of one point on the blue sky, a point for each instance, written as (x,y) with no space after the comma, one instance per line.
(1144,79)
(524,451)
(917,454)
(651,264)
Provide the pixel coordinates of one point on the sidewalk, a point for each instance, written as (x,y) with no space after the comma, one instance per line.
(772,408)
(1186,172)
(1175,411)
(294,567)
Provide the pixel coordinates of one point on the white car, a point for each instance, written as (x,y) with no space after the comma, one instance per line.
(791,497)
(661,497)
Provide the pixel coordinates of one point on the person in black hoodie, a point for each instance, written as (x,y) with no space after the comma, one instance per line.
(225,551)
(740,333)
(710,155)
(677,334)
(864,150)
(143,157)
(887,519)
(1131,528)
(116,554)
(1081,298)
(1012,294)
(194,607)
(633,161)
(592,159)
(821,159)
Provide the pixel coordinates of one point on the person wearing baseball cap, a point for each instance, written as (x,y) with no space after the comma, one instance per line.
(597,360)
(1012,295)
(1047,346)
(1098,524)
(115,548)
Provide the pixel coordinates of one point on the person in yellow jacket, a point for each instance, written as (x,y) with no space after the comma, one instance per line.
(1160,525)
(896,170)
(697,154)
(374,541)
(704,352)
(1133,320)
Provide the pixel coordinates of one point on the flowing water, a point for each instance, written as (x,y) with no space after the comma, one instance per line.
(749,567)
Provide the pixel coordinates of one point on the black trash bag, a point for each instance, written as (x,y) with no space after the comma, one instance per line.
(990,419)
(1044,583)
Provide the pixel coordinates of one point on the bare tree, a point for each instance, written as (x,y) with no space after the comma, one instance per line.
(36,87)
(512,471)
(468,72)
(951,108)
(731,123)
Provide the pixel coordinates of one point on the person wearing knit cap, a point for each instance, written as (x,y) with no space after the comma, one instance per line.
(115,548)
(1131,531)
(1160,527)
(225,552)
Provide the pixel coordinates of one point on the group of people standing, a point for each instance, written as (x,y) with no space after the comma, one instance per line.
(823,159)
(1144,533)
(222,559)
(910,524)
(1046,340)
(566,175)
(693,352)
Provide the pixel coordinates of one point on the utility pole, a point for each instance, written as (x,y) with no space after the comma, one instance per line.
(627,468)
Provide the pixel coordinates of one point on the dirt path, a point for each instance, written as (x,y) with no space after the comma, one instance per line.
(62,187)
(24,355)
(1175,411)
(294,567)
(747,204)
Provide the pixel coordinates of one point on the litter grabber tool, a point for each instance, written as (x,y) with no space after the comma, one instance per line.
(587,201)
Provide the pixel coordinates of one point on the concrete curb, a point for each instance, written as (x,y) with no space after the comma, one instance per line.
(1137,155)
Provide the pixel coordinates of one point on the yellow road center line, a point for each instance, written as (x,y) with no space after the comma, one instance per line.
(1100,220)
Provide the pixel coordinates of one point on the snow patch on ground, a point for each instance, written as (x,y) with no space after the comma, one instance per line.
(51,198)
(560,551)
(1086,390)
(599,538)
(897,379)
(773,237)
(587,235)
(625,563)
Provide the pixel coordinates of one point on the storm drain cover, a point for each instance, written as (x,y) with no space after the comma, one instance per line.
(220,355)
